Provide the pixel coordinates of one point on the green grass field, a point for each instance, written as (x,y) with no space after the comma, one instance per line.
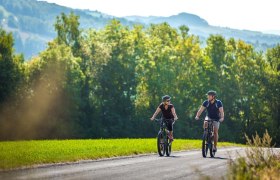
(15,154)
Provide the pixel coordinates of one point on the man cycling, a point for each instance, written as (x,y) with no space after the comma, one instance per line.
(169,114)
(215,111)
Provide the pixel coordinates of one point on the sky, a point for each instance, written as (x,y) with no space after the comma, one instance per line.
(257,15)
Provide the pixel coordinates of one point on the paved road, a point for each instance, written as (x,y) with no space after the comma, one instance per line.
(181,165)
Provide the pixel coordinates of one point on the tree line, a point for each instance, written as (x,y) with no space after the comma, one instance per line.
(107,83)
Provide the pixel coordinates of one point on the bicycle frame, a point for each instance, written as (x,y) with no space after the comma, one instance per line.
(163,128)
(210,131)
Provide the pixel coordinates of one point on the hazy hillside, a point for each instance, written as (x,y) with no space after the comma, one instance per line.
(200,27)
(32,22)
(175,21)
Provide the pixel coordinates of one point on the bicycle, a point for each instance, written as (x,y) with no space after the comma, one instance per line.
(164,144)
(208,139)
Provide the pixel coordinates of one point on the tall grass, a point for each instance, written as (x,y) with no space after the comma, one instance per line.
(260,161)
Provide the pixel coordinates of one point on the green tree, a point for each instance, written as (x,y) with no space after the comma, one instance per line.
(56,81)
(117,82)
(273,57)
(11,67)
(68,32)
(216,50)
(271,92)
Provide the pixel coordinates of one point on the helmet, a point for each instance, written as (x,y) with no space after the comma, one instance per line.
(211,92)
(166,97)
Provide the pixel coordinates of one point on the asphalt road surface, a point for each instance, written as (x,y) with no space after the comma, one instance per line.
(180,165)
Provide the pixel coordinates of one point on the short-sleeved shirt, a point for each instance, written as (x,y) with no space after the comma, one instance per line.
(167,113)
(213,109)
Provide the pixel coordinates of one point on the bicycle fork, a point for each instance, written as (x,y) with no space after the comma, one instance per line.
(208,135)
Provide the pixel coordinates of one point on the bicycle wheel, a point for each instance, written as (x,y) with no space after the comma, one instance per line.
(204,145)
(160,144)
(168,147)
(212,153)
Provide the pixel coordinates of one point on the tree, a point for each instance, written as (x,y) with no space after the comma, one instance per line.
(273,57)
(11,67)
(12,82)
(68,32)
(56,81)
(216,50)
(271,92)
(117,82)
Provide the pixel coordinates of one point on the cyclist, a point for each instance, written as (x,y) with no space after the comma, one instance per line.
(215,111)
(169,114)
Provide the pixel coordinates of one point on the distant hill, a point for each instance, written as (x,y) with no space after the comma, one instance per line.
(200,27)
(276,32)
(32,21)
(174,21)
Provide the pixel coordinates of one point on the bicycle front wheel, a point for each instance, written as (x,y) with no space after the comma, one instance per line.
(204,145)
(168,147)
(160,144)
(211,149)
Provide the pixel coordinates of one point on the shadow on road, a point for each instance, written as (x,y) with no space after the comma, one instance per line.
(171,156)
(221,158)
(174,156)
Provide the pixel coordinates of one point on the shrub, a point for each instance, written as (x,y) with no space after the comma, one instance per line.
(261,161)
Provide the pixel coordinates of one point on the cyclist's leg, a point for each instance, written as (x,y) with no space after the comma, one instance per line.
(170,128)
(216,135)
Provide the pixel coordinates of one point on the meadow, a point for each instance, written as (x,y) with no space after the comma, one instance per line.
(18,154)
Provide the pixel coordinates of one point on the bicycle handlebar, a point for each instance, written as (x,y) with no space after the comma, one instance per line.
(210,120)
(159,120)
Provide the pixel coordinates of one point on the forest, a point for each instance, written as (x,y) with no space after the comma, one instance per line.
(107,83)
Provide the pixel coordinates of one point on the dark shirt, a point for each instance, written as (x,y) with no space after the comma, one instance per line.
(213,109)
(167,113)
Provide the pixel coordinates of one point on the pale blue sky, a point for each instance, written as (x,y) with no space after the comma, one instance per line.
(260,15)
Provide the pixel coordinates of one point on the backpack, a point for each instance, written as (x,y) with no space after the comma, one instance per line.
(215,104)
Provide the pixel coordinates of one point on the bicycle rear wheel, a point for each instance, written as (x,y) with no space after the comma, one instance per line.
(204,145)
(168,147)
(160,144)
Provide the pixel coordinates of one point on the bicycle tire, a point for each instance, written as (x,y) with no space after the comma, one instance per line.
(168,147)
(160,144)
(204,145)
(212,153)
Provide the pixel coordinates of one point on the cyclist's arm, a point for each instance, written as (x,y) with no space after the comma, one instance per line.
(174,113)
(156,113)
(222,114)
(201,109)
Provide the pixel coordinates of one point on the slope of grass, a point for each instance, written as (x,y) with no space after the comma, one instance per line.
(15,154)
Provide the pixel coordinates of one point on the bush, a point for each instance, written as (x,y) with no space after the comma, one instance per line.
(260,161)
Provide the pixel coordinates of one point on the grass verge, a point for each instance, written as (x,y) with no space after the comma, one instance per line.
(16,154)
